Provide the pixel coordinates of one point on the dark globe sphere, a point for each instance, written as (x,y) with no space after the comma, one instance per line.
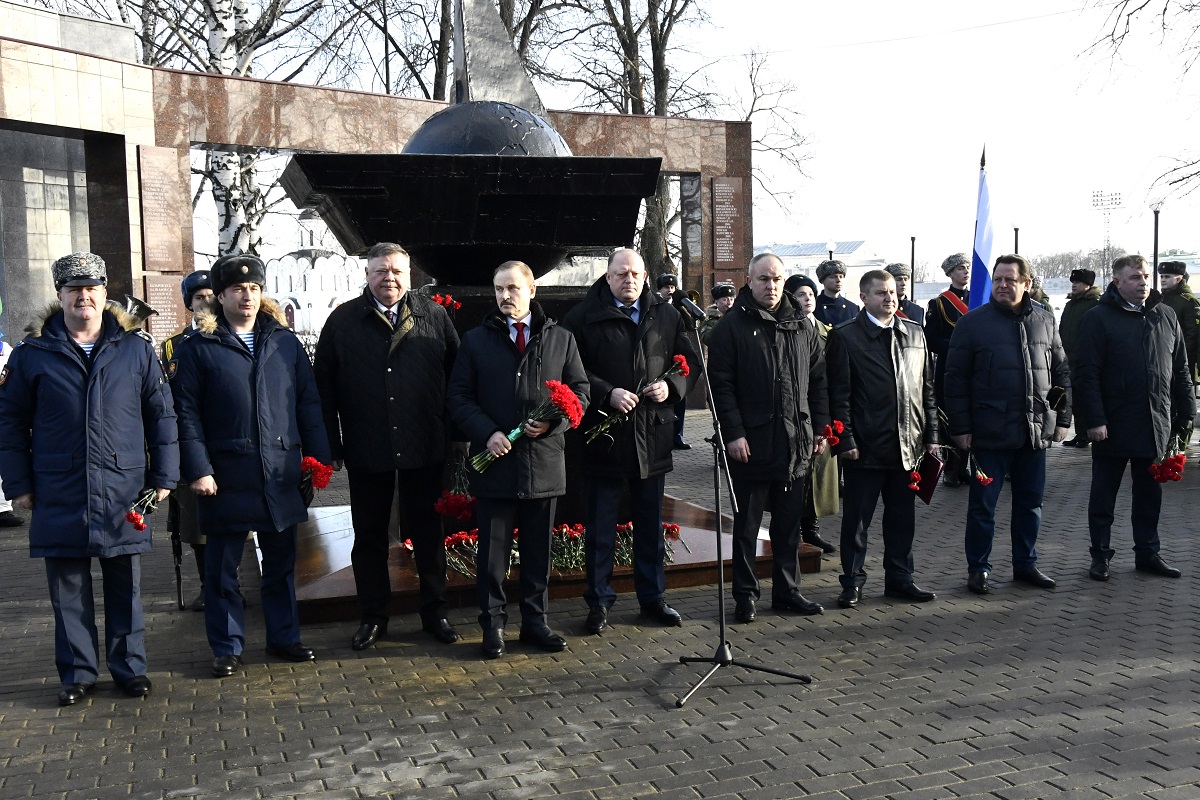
(485,127)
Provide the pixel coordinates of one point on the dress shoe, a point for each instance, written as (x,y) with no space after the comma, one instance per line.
(296,651)
(797,603)
(493,643)
(1156,566)
(977,582)
(680,444)
(849,598)
(137,686)
(1099,570)
(597,620)
(909,591)
(544,638)
(72,693)
(366,635)
(442,630)
(10,520)
(745,611)
(224,666)
(814,538)
(662,613)
(198,603)
(1034,577)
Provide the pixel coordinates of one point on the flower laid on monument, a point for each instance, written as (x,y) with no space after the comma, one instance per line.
(1171,467)
(457,502)
(679,366)
(321,473)
(561,404)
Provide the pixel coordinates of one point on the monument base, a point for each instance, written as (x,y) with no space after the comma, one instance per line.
(325,580)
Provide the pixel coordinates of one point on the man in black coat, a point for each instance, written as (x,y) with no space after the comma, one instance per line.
(382,363)
(1007,399)
(881,389)
(248,412)
(628,337)
(498,380)
(1133,392)
(767,374)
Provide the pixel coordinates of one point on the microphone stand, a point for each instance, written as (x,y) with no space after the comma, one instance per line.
(723,657)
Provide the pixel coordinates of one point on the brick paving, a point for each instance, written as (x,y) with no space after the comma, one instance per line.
(1090,691)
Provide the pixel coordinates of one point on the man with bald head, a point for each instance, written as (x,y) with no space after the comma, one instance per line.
(628,337)
(767,374)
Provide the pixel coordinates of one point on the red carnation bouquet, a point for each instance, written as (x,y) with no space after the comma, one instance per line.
(830,434)
(447,301)
(679,366)
(457,502)
(321,473)
(1171,467)
(145,504)
(561,404)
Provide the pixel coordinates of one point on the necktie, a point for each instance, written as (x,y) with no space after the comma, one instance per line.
(628,311)
(520,326)
(391,316)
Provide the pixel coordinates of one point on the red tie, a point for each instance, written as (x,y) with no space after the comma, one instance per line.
(520,326)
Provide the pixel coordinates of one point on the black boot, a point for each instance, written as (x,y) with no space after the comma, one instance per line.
(810,533)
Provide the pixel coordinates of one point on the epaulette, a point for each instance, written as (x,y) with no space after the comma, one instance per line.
(145,335)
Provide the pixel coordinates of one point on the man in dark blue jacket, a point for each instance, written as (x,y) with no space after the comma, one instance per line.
(499,378)
(1133,394)
(832,306)
(248,409)
(1007,399)
(84,403)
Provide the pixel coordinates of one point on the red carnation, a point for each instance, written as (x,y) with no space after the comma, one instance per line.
(681,365)
(566,401)
(321,473)
(838,427)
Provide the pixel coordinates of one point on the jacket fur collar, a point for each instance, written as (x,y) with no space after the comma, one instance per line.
(127,321)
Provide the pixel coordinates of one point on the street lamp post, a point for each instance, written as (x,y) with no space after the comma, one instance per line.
(1016,240)
(831,246)
(912,257)
(1156,207)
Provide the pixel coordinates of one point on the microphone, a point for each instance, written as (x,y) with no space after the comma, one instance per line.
(684,303)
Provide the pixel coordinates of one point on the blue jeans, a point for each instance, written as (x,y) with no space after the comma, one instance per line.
(1026,468)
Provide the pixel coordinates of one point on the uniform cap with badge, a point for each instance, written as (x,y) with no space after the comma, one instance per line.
(79,269)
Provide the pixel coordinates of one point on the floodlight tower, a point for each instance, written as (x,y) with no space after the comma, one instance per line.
(1106,203)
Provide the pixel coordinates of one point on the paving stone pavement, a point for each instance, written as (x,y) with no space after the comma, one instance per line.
(1089,691)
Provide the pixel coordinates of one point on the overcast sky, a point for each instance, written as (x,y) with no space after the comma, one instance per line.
(900,98)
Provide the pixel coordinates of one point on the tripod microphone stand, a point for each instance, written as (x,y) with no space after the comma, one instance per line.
(723,657)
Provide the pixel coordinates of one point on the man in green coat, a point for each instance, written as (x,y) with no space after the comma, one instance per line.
(1082,299)
(1176,293)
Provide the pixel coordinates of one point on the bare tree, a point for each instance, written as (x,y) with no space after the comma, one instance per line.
(780,144)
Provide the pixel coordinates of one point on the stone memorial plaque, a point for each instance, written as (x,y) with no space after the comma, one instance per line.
(162,293)
(163,208)
(728,224)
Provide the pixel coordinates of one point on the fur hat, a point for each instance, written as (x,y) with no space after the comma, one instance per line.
(722,290)
(828,268)
(665,280)
(1172,268)
(954,262)
(796,281)
(1083,276)
(193,283)
(898,270)
(79,269)
(231,269)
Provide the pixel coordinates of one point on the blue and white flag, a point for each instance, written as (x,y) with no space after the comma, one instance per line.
(986,250)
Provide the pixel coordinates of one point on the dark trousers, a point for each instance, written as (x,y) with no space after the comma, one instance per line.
(76,643)
(497,519)
(371,496)
(224,611)
(603,502)
(1027,469)
(680,410)
(863,489)
(787,505)
(1145,506)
